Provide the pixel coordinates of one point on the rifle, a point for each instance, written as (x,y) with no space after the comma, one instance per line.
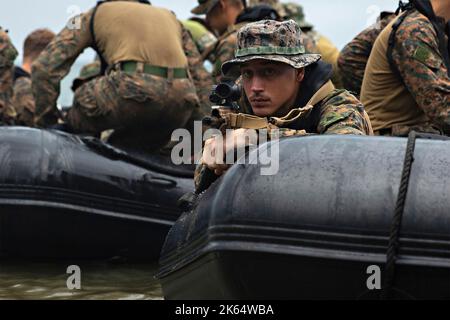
(224,96)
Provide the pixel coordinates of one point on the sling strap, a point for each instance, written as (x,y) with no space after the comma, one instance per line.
(297,113)
(247,121)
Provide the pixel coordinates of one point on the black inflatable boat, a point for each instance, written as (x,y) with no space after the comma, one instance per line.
(62,196)
(321,227)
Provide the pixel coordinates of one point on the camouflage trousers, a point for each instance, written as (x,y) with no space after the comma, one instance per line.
(140,104)
(7,55)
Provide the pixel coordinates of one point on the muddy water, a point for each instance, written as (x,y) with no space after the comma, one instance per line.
(98,280)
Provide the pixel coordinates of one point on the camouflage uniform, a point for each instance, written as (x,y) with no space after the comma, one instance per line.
(7,56)
(23,102)
(201,77)
(314,41)
(419,73)
(353,58)
(224,50)
(202,37)
(328,111)
(120,99)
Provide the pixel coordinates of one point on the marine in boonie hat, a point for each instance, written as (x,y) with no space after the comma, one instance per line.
(204,6)
(88,72)
(295,11)
(270,40)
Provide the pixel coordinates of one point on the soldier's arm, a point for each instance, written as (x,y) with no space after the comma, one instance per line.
(54,64)
(23,102)
(7,56)
(423,70)
(202,78)
(224,52)
(353,59)
(343,113)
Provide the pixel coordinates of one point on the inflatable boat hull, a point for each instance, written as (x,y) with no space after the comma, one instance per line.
(59,198)
(320,228)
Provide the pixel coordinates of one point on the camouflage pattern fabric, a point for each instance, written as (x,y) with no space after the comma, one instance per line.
(423,71)
(7,56)
(223,51)
(121,100)
(270,40)
(23,102)
(202,37)
(200,76)
(55,62)
(353,58)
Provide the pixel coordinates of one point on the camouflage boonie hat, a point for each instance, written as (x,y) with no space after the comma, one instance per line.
(279,8)
(295,11)
(270,40)
(204,6)
(87,73)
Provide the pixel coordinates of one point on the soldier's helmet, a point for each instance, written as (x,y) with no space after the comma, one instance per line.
(270,40)
(276,4)
(295,12)
(88,72)
(204,6)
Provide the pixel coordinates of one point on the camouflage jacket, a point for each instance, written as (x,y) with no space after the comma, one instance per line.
(338,113)
(7,56)
(353,58)
(23,102)
(55,62)
(422,68)
(224,50)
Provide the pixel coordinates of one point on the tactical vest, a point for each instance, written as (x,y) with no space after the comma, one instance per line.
(123,31)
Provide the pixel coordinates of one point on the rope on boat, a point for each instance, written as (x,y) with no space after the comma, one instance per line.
(394,237)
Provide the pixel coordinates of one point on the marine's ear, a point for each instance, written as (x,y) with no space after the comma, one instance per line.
(300,74)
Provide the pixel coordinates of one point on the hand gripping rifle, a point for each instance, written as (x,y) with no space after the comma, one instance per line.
(224,97)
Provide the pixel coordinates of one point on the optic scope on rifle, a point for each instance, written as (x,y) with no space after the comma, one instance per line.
(226,93)
(224,96)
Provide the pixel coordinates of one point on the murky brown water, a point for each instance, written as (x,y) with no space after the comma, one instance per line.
(99,281)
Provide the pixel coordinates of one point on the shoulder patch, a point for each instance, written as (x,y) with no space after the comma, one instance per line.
(427,56)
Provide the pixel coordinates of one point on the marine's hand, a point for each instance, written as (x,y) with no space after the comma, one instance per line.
(216,148)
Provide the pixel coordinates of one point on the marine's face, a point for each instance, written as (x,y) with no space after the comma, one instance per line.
(271,87)
(216,19)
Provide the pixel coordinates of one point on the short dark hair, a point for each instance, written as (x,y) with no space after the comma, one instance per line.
(36,42)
